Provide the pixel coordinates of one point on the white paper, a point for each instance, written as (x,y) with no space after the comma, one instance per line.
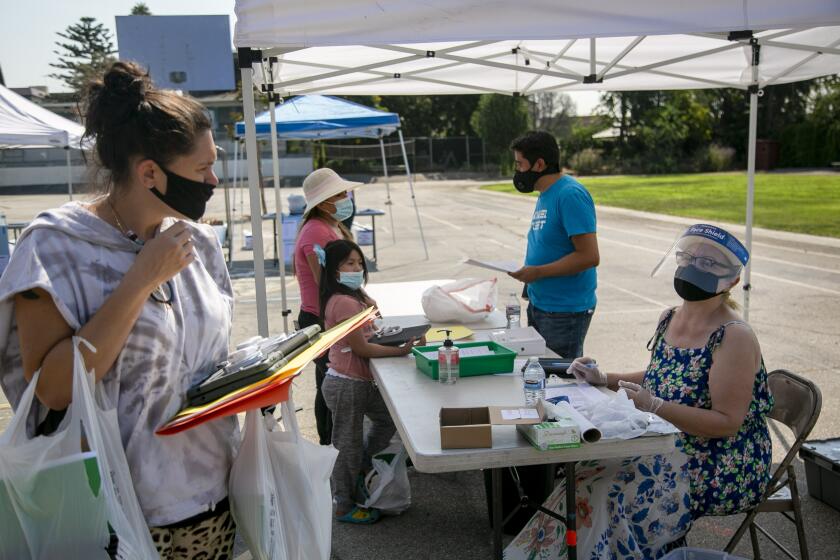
(470,352)
(500,266)
(580,395)
(529,413)
(511,414)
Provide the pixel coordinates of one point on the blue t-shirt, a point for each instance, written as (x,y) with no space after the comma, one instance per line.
(563,211)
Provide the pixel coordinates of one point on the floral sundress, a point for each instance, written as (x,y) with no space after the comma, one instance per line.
(635,508)
(727,475)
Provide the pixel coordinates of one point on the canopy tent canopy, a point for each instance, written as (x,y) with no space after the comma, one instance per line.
(390,47)
(24,124)
(321,117)
(318,117)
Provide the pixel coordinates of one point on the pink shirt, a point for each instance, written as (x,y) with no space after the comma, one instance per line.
(340,308)
(313,232)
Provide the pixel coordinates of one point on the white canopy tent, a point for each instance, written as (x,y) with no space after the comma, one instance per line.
(391,47)
(24,124)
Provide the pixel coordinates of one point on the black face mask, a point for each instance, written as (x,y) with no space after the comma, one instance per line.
(692,284)
(524,181)
(185,196)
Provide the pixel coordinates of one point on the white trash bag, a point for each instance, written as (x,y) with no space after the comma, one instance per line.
(254,499)
(387,483)
(463,301)
(58,501)
(619,418)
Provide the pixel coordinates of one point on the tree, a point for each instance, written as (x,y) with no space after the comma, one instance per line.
(552,112)
(499,119)
(141,9)
(87,53)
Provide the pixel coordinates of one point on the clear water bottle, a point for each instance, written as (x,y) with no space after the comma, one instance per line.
(513,311)
(534,378)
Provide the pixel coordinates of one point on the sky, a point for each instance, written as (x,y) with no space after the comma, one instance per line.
(28,33)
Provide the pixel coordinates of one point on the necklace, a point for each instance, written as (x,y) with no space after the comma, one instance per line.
(124,230)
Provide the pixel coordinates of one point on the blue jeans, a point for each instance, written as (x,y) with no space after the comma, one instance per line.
(563,332)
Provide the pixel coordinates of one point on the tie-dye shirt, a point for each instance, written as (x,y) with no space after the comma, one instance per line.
(80,260)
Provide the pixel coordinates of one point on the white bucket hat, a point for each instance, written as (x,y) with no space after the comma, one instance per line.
(322,184)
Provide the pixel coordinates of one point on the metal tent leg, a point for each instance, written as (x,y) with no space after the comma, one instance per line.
(413,198)
(278,210)
(388,202)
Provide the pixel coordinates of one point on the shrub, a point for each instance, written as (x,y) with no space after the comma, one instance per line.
(586,162)
(720,158)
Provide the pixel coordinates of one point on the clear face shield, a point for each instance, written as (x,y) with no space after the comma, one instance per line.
(704,261)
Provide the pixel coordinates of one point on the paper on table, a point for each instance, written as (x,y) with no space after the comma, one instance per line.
(579,394)
(500,266)
(588,432)
(510,414)
(529,413)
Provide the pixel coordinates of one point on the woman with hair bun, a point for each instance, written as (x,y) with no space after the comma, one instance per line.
(134,275)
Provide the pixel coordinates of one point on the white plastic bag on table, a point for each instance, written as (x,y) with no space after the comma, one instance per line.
(619,418)
(47,504)
(387,483)
(465,301)
(302,472)
(254,499)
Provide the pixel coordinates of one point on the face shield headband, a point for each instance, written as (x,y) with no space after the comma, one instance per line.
(700,268)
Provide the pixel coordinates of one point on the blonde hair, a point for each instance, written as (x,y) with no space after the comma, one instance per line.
(730,302)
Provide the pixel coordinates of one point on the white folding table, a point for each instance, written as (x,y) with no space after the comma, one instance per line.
(415,400)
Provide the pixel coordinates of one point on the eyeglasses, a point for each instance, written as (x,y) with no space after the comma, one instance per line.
(163,293)
(706,264)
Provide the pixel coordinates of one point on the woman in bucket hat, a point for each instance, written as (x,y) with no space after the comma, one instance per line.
(327,205)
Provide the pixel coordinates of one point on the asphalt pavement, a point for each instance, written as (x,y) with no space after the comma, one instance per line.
(794,310)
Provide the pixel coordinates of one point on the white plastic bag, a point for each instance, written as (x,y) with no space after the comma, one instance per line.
(618,419)
(302,472)
(294,496)
(47,504)
(464,301)
(254,499)
(387,483)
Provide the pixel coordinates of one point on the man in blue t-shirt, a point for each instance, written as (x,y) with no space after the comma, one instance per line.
(562,252)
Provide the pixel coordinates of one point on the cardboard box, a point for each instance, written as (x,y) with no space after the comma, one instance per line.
(470,428)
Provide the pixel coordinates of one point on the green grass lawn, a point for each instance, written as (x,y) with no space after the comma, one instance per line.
(790,202)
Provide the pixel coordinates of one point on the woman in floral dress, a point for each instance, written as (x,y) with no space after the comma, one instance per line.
(707,377)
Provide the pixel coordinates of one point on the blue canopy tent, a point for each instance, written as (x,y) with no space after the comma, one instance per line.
(321,117)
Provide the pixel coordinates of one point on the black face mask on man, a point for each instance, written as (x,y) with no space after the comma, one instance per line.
(525,181)
(693,284)
(183,195)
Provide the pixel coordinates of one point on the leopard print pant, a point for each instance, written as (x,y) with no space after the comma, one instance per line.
(210,539)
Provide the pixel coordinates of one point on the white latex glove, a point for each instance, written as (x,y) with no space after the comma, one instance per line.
(585,369)
(642,398)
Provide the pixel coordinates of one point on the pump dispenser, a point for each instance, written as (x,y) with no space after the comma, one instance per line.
(448,360)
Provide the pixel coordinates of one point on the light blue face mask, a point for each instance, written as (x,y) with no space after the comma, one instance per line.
(343,209)
(352,280)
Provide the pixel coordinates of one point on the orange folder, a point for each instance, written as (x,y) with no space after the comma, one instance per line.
(268,391)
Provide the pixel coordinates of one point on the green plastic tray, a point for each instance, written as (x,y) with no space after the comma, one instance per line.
(500,362)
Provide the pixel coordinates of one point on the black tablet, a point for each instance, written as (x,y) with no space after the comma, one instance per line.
(396,335)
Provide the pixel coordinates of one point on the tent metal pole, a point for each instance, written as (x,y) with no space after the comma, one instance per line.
(226,188)
(388,202)
(69,172)
(753,133)
(253,153)
(411,188)
(278,211)
(233,184)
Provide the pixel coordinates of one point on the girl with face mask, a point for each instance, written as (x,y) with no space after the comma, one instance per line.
(348,388)
(327,206)
(706,376)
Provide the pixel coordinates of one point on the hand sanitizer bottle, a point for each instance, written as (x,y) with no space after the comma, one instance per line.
(448,360)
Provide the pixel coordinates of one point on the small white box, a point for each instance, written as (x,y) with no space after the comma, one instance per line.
(364,235)
(556,434)
(525,341)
